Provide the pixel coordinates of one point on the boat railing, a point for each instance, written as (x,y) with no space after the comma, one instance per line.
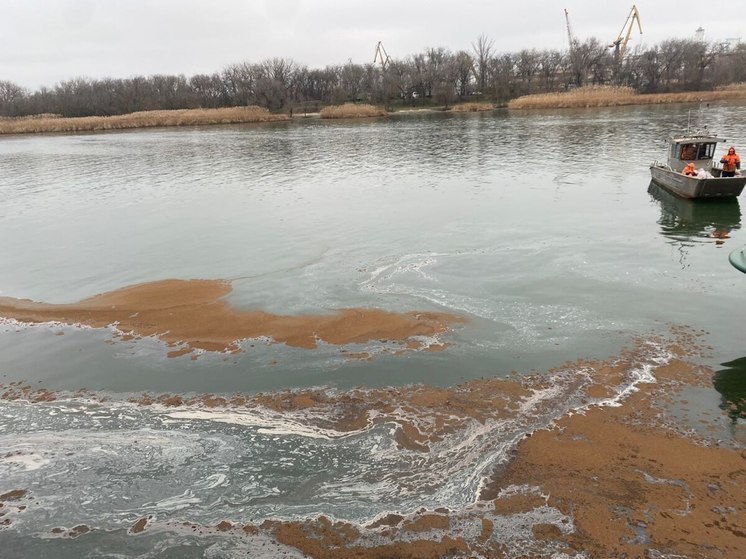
(660,165)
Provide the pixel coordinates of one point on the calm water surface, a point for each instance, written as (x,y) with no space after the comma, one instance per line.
(540,228)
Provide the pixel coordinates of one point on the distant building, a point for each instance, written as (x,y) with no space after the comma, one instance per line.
(726,45)
(730,43)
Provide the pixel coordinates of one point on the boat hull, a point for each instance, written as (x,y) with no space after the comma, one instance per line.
(694,187)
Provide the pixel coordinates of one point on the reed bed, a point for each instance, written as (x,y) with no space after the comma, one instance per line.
(142,119)
(472,107)
(607,96)
(581,97)
(351,110)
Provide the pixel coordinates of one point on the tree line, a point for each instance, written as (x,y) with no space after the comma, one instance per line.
(434,76)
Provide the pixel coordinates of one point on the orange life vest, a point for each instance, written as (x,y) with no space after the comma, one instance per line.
(729,161)
(689,169)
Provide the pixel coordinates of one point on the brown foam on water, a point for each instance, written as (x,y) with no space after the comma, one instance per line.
(626,477)
(191,314)
(600,481)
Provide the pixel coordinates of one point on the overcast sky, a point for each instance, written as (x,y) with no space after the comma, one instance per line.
(45,41)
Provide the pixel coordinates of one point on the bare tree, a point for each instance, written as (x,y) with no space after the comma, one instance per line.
(482,48)
(527,64)
(208,90)
(239,82)
(671,59)
(503,74)
(550,64)
(436,71)
(11,96)
(351,81)
(587,58)
(462,69)
(698,58)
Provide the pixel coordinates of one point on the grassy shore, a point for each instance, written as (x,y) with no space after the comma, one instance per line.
(143,119)
(472,107)
(585,97)
(352,110)
(606,96)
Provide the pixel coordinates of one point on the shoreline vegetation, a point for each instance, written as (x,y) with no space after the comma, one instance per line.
(142,119)
(471,107)
(609,96)
(584,97)
(352,110)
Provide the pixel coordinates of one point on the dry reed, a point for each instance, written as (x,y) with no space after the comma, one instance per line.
(607,96)
(740,86)
(472,107)
(351,110)
(142,119)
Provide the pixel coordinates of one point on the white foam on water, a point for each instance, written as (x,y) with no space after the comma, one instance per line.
(13,325)
(526,319)
(408,263)
(212,481)
(175,503)
(538,396)
(641,373)
(29,462)
(513,490)
(257,546)
(426,342)
(267,422)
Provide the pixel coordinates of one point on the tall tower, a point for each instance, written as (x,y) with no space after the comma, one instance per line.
(699,34)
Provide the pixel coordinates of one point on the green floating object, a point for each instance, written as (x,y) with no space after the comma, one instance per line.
(738,259)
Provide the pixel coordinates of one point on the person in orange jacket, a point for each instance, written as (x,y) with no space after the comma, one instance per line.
(689,170)
(730,162)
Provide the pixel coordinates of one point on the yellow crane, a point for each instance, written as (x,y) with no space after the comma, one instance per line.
(381,56)
(620,43)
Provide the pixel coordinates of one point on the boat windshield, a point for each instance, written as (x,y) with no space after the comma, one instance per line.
(690,152)
(706,151)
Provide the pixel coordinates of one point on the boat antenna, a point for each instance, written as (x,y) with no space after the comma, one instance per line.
(688,121)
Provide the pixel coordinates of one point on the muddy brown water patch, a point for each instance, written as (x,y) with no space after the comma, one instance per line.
(633,485)
(599,479)
(191,314)
(14,495)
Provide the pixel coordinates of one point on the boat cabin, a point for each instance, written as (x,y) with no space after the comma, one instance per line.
(698,150)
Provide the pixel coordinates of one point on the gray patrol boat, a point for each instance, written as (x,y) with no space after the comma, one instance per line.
(708,182)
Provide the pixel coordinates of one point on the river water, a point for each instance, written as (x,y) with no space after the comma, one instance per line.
(540,228)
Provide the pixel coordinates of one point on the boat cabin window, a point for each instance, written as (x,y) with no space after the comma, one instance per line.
(706,151)
(690,152)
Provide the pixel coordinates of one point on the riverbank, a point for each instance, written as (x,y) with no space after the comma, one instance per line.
(472,107)
(604,96)
(589,97)
(142,119)
(352,110)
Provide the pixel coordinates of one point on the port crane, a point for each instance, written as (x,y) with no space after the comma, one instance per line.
(573,42)
(620,43)
(575,63)
(381,56)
